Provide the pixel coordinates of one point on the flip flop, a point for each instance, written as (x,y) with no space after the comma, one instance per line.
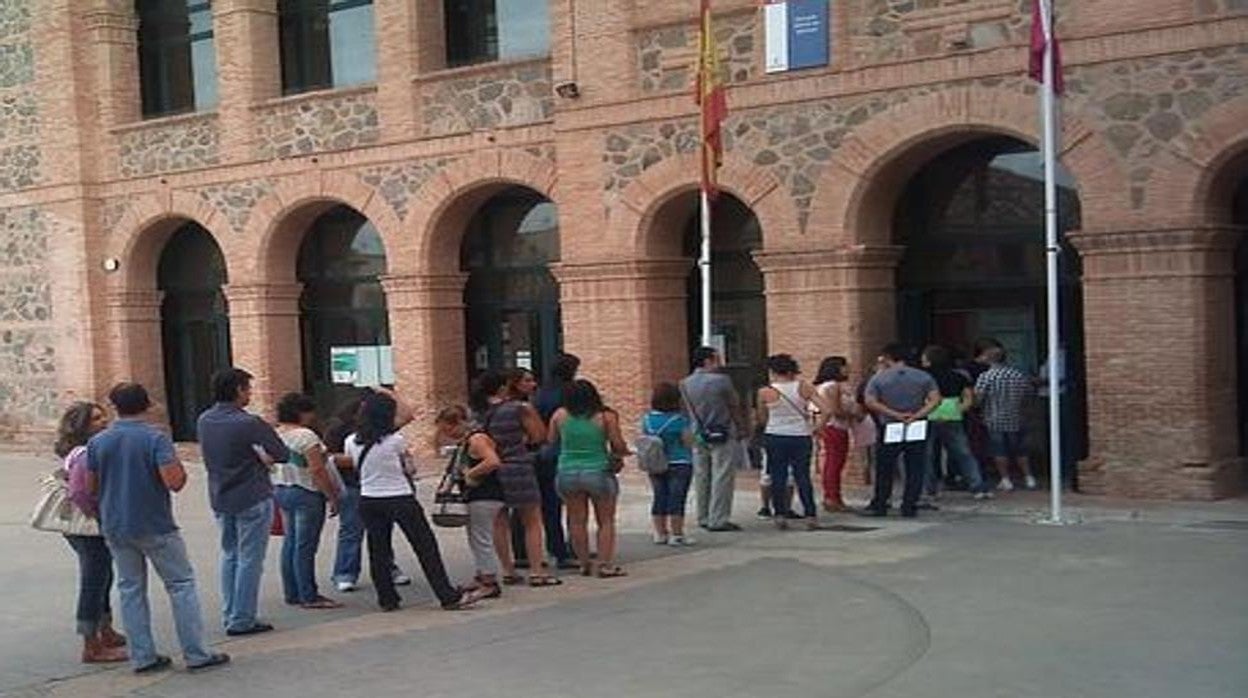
(544,581)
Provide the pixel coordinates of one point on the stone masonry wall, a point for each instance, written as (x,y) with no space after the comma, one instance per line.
(29,396)
(314,124)
(794,142)
(500,97)
(182,143)
(667,56)
(1147,105)
(398,183)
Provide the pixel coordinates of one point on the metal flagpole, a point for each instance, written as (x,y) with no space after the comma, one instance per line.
(1053,250)
(704,264)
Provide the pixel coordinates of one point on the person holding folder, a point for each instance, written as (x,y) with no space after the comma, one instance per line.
(900,397)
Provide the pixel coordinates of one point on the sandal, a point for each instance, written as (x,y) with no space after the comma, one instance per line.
(609,571)
(512,579)
(544,580)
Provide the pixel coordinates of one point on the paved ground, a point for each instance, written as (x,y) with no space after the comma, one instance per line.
(1135,600)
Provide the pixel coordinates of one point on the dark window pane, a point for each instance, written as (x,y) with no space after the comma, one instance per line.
(480,31)
(177,60)
(326,43)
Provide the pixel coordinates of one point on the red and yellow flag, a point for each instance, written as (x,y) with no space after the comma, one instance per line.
(711,96)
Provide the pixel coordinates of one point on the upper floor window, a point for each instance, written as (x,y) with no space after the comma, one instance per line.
(326,43)
(177,59)
(481,31)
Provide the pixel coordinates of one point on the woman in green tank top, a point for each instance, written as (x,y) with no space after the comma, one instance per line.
(591,448)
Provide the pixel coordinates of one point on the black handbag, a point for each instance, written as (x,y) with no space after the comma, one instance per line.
(450,507)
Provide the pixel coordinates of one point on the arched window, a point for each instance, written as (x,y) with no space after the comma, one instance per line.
(326,43)
(481,31)
(177,58)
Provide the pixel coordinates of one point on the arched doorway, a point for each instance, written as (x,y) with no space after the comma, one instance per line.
(971,220)
(738,306)
(342,305)
(511,300)
(194,323)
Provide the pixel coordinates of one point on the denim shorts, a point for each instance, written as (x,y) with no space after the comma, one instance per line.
(1006,444)
(595,483)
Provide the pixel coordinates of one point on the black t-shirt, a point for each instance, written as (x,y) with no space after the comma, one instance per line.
(951,382)
(490,488)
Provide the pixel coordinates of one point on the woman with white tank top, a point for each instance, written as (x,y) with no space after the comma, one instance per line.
(787,436)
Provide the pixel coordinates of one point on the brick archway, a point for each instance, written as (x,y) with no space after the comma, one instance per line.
(444,204)
(148,223)
(1194,182)
(134,331)
(270,243)
(855,196)
(632,219)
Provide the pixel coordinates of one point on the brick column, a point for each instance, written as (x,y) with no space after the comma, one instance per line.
(1160,337)
(426,317)
(265,340)
(626,321)
(248,69)
(134,340)
(821,303)
(112,35)
(398,52)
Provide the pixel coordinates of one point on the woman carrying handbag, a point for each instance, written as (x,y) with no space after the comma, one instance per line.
(100,643)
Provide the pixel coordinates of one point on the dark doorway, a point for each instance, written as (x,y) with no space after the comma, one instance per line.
(738,306)
(972,224)
(511,316)
(340,264)
(194,323)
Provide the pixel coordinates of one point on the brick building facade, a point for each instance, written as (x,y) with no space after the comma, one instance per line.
(819,161)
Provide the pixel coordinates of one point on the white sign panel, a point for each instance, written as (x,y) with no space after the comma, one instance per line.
(776,31)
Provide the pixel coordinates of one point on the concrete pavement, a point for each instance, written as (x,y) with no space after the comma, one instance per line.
(1137,600)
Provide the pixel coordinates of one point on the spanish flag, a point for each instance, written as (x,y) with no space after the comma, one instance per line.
(710,95)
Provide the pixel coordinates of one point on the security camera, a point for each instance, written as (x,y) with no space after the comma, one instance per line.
(568,89)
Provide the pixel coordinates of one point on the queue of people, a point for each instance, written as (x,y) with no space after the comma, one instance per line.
(522,459)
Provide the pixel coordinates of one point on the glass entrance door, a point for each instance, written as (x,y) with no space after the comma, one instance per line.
(196,334)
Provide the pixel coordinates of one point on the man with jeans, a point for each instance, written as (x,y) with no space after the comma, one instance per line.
(899,393)
(712,403)
(132,468)
(238,448)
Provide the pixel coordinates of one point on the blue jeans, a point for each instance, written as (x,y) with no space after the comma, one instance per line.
(244,541)
(952,436)
(347,559)
(95,583)
(671,489)
(303,517)
(167,553)
(785,453)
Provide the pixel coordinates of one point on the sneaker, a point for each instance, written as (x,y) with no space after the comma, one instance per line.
(1031,483)
(680,541)
(217,659)
(401,580)
(1005,485)
(660,539)
(792,515)
(764,514)
(346,587)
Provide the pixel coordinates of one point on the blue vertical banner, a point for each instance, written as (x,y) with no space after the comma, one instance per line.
(808,33)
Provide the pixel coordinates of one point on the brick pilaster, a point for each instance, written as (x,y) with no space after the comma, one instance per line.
(264,334)
(1160,336)
(248,69)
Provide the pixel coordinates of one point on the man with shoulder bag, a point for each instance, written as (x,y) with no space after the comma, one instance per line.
(712,401)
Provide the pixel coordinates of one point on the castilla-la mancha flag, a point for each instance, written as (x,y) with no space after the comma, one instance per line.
(1040,38)
(712,98)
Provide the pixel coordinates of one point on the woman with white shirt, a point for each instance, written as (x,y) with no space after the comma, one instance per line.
(388,497)
(786,436)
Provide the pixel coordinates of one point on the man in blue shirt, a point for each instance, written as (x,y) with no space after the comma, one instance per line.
(238,448)
(133,468)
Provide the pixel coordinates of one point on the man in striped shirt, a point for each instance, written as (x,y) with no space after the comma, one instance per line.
(1000,392)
